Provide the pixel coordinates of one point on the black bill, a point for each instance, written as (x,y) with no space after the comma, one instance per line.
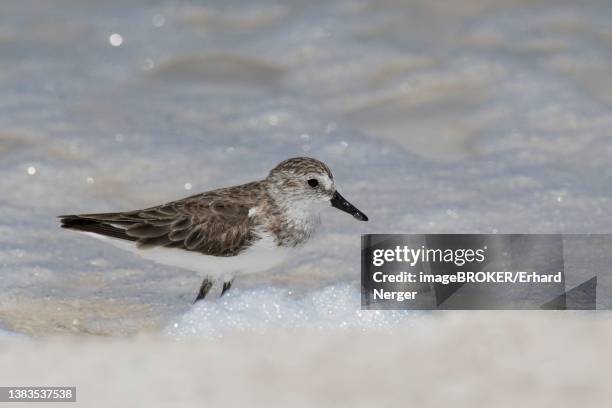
(340,202)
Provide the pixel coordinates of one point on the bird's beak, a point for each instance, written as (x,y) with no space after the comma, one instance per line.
(340,202)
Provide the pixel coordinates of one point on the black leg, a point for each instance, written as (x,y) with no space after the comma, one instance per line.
(227,286)
(204,289)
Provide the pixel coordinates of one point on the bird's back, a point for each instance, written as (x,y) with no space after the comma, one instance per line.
(213,223)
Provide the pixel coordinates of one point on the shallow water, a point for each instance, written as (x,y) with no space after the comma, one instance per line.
(487,116)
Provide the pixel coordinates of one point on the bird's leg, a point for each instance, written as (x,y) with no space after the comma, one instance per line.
(204,289)
(227,286)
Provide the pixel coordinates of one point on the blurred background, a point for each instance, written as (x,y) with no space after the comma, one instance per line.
(435,116)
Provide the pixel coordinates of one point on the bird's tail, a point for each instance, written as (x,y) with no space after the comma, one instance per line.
(93,224)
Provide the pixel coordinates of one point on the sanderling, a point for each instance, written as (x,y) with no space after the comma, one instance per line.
(229,231)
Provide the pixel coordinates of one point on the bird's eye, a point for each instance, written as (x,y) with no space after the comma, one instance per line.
(313,182)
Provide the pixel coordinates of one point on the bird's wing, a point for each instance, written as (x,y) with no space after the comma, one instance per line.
(214,223)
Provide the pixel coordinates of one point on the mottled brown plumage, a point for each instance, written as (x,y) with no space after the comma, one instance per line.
(302,166)
(212,223)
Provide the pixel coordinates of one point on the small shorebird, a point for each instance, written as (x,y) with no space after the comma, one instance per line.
(229,231)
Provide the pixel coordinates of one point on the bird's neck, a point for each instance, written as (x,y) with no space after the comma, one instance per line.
(295,223)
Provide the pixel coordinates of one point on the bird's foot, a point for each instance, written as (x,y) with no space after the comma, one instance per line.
(204,289)
(226,286)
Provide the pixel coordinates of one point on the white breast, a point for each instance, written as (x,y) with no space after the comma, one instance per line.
(259,257)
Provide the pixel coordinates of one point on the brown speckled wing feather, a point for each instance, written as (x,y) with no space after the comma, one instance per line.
(213,223)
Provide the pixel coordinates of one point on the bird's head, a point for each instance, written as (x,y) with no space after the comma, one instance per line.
(304,182)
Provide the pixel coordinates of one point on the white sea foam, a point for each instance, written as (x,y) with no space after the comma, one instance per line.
(8,335)
(498,122)
(263,309)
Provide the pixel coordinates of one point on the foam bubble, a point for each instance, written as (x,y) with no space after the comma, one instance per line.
(115,39)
